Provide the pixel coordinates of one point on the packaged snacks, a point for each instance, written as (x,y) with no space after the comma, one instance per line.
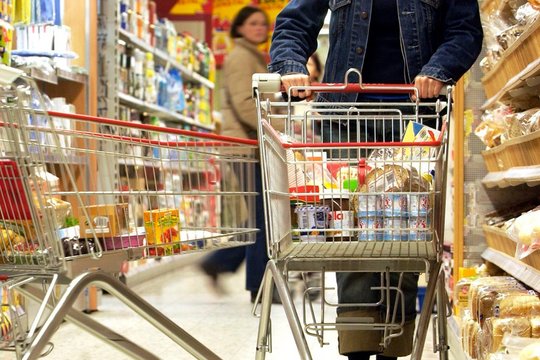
(107,220)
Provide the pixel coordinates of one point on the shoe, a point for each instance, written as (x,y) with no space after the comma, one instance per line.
(214,279)
(212,274)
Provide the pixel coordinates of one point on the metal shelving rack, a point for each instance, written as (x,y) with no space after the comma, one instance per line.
(109,97)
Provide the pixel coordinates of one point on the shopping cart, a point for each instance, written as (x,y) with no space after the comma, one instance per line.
(80,193)
(365,192)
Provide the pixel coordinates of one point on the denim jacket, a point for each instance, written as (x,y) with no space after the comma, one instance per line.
(440,38)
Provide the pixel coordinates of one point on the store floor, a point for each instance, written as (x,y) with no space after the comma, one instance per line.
(221,322)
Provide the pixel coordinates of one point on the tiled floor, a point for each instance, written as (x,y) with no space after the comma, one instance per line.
(222,322)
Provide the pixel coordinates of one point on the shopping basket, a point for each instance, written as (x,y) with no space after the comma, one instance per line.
(364,192)
(79,193)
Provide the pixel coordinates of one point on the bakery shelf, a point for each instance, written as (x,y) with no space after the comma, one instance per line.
(529,175)
(528,77)
(489,6)
(521,271)
(163,57)
(517,57)
(497,239)
(161,112)
(521,151)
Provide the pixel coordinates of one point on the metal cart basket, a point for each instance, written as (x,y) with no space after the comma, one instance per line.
(80,193)
(364,192)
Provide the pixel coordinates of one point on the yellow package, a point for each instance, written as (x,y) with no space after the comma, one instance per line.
(162,227)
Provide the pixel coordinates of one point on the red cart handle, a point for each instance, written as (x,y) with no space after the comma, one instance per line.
(362,172)
(359,88)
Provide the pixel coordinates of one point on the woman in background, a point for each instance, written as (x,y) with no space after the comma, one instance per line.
(248,30)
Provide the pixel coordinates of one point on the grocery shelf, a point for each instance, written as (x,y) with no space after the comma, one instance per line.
(515,176)
(56,76)
(528,77)
(517,152)
(160,111)
(72,76)
(516,268)
(162,56)
(519,54)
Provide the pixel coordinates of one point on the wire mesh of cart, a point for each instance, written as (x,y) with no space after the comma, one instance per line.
(80,192)
(364,192)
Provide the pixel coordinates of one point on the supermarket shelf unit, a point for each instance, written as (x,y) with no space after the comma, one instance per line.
(514,79)
(109,96)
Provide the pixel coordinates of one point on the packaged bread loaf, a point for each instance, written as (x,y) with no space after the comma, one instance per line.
(486,286)
(466,324)
(495,329)
(517,304)
(461,294)
(395,178)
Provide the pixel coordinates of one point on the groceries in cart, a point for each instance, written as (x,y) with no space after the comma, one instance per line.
(387,196)
(163,229)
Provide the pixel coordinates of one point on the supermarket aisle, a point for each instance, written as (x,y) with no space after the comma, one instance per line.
(223,323)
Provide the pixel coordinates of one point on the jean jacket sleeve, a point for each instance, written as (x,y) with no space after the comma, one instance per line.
(295,35)
(461,41)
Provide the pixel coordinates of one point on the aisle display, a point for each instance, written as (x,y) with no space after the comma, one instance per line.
(498,315)
(148,66)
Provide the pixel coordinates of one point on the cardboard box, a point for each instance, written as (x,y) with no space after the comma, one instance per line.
(162,227)
(107,220)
